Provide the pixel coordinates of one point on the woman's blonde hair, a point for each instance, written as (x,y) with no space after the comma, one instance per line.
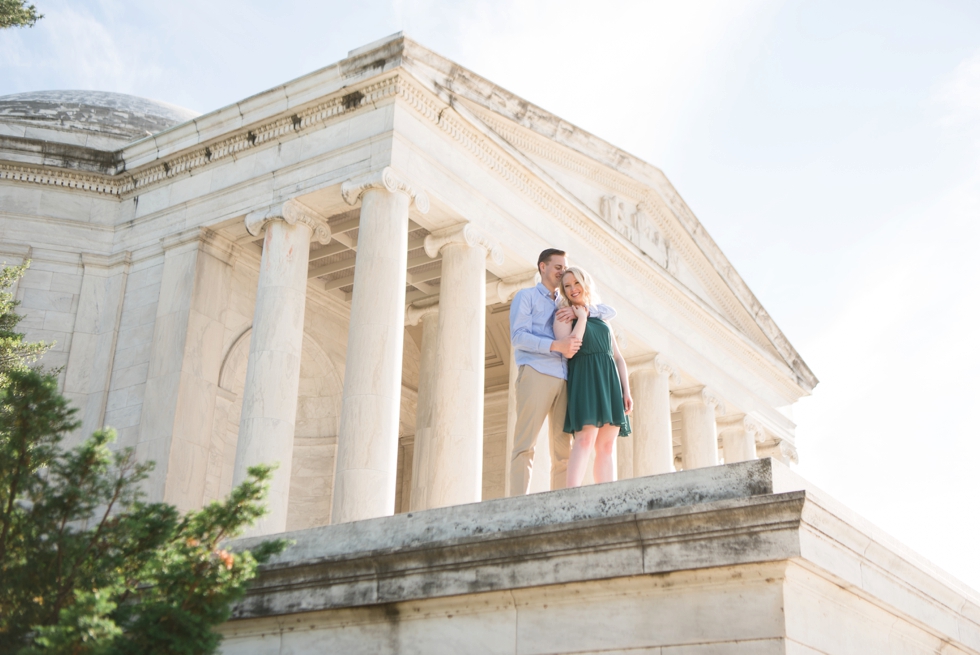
(588,287)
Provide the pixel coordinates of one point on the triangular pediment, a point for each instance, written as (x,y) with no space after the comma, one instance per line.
(626,196)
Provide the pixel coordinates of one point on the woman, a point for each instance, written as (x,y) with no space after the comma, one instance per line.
(598,385)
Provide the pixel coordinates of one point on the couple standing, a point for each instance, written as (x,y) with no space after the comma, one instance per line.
(558,331)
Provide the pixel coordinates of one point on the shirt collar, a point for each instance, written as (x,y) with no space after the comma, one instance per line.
(544,291)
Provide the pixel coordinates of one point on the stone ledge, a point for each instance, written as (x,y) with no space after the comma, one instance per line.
(694,519)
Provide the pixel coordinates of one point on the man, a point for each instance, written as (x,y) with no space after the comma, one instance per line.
(542,370)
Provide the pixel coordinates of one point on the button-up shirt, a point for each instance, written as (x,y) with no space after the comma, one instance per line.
(532,321)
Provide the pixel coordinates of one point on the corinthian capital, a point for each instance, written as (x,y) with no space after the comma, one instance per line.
(292,212)
(658,363)
(386,179)
(463,234)
(696,395)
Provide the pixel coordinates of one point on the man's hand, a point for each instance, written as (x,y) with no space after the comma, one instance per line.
(565,315)
(567,346)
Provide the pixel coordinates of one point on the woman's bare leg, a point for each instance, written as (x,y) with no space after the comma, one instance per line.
(604,470)
(578,460)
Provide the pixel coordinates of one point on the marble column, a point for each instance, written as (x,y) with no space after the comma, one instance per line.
(653,445)
(699,440)
(267,426)
(367,445)
(455,457)
(428,318)
(739,434)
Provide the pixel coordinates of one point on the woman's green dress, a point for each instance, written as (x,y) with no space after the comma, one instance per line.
(595,395)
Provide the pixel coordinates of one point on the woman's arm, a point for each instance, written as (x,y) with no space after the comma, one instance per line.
(624,377)
(562,328)
(582,316)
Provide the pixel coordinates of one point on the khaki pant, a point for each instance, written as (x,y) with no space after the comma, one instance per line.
(539,396)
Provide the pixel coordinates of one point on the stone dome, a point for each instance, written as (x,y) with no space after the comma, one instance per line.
(115,117)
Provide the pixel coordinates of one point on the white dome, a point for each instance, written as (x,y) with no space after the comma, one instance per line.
(115,116)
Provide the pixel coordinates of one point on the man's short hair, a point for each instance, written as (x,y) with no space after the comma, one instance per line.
(546,255)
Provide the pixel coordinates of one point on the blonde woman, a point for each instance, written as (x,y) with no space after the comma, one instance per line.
(599,400)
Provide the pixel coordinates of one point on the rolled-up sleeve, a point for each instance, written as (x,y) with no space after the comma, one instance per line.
(521,328)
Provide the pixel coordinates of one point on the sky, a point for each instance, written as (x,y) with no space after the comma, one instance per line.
(832,150)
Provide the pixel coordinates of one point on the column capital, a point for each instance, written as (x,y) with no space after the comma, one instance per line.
(742,422)
(779,449)
(505,289)
(658,363)
(386,179)
(293,212)
(466,234)
(696,395)
(415,312)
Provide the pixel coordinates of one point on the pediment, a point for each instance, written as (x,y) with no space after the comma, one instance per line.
(627,196)
(638,215)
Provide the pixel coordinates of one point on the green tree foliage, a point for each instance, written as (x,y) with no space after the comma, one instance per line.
(87,566)
(17,13)
(15,353)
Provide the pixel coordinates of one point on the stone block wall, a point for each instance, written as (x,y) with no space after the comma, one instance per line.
(49,297)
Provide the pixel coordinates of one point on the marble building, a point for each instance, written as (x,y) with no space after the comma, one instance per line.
(320,276)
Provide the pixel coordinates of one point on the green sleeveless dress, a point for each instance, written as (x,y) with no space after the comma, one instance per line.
(595,396)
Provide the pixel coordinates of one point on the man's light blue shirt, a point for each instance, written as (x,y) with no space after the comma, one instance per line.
(532,321)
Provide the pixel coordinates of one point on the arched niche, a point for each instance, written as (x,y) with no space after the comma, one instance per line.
(315,441)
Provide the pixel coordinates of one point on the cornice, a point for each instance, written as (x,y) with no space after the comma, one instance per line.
(125,183)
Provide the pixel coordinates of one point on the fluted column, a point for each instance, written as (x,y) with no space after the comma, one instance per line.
(653,445)
(428,318)
(699,441)
(367,446)
(455,459)
(268,418)
(739,434)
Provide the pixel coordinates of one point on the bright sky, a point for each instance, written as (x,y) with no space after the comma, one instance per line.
(830,148)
